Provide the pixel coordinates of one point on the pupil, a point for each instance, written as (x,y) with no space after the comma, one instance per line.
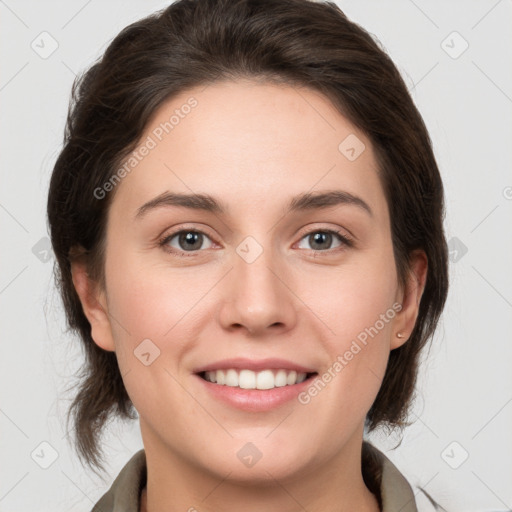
(319,237)
(191,238)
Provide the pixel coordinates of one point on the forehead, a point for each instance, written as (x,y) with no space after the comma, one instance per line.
(253,144)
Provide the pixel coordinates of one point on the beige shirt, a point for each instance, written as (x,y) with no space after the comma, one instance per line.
(124,494)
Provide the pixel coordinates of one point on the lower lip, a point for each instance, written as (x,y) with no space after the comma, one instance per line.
(255,400)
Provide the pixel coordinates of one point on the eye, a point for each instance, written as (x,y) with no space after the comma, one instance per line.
(186,240)
(321,239)
(192,241)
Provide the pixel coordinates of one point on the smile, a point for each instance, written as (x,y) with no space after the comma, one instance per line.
(248,379)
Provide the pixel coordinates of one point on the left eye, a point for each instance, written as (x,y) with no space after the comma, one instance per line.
(324,237)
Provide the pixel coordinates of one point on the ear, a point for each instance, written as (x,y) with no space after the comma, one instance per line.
(94,305)
(409,297)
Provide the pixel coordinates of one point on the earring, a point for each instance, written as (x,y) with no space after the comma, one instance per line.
(399,335)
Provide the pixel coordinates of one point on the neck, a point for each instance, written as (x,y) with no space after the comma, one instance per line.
(335,485)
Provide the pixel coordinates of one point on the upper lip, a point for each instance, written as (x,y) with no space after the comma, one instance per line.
(254,365)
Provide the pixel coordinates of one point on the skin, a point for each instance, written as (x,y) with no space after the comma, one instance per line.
(253,146)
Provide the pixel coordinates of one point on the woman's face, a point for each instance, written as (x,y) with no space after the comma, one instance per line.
(256,272)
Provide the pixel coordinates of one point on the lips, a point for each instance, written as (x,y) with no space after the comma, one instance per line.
(267,396)
(241,363)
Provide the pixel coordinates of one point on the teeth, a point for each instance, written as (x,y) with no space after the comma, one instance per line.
(247,379)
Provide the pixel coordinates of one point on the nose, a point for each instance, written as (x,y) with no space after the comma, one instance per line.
(258,297)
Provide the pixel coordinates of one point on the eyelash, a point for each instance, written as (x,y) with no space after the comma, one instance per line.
(345,241)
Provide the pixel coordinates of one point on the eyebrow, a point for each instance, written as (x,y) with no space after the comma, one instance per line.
(302,202)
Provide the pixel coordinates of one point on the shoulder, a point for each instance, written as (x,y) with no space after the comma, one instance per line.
(425,502)
(124,493)
(396,492)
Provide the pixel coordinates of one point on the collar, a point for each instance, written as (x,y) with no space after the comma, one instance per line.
(124,494)
(396,492)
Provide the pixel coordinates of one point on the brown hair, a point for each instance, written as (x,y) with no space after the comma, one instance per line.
(194,42)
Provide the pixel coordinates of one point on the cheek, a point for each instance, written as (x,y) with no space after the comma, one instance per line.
(150,312)
(365,304)
(355,298)
(159,304)
(150,300)
(357,308)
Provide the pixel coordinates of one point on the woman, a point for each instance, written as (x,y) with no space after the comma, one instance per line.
(208,156)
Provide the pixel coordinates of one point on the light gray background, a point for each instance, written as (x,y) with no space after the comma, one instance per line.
(465,388)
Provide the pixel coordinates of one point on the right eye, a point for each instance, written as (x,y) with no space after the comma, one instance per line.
(184,241)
